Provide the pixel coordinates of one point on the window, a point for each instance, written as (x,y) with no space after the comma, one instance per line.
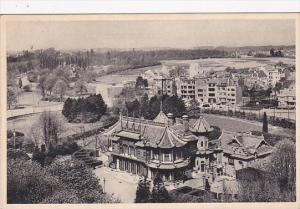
(230,161)
(202,167)
(166,157)
(201,143)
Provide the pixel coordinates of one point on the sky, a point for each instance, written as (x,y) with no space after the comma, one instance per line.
(148,33)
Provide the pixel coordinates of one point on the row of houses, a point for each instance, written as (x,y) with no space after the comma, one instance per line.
(206,90)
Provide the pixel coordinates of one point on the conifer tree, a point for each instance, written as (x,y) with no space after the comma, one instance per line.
(265,123)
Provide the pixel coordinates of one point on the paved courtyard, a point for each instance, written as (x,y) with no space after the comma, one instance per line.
(120,184)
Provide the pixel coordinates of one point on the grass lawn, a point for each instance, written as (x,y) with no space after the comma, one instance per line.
(239,125)
(25,123)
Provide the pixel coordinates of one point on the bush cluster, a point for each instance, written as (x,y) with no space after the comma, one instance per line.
(87,110)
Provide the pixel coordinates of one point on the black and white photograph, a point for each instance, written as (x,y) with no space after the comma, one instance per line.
(151,109)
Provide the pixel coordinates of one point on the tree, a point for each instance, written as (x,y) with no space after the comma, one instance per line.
(60,88)
(49,127)
(133,108)
(80,86)
(159,192)
(42,84)
(272,52)
(11,96)
(28,182)
(143,194)
(20,83)
(174,105)
(141,83)
(265,123)
(66,111)
(89,109)
(145,106)
(39,156)
(50,82)
(283,167)
(278,87)
(77,178)
(193,105)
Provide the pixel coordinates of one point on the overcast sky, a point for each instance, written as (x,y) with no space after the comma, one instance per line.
(151,33)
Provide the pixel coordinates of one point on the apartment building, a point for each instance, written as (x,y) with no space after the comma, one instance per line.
(186,88)
(218,91)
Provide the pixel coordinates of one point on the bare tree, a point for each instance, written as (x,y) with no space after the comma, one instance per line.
(48,129)
(60,88)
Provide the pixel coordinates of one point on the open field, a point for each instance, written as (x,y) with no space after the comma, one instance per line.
(125,76)
(219,64)
(240,125)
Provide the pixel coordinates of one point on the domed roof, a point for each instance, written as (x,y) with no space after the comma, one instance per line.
(201,126)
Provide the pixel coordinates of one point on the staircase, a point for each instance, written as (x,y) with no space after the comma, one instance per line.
(88,157)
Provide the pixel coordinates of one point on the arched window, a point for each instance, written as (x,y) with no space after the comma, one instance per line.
(201,143)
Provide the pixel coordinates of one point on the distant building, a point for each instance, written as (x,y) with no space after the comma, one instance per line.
(273,74)
(287,97)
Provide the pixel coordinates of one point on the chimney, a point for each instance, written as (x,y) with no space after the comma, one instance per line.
(185,120)
(170,119)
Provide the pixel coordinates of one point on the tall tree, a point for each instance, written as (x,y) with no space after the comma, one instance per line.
(20,83)
(60,88)
(265,123)
(143,194)
(49,126)
(283,167)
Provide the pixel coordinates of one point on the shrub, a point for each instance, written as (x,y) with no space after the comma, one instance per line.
(28,182)
(78,178)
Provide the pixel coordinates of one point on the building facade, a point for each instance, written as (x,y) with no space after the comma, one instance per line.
(287,98)
(171,148)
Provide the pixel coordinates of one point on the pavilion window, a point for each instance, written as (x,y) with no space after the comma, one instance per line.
(167,157)
(202,167)
(155,154)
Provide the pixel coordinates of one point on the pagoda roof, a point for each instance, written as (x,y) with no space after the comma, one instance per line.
(146,133)
(161,118)
(201,126)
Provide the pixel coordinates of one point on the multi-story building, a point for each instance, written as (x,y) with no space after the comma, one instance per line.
(186,88)
(218,90)
(273,75)
(287,97)
(171,147)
